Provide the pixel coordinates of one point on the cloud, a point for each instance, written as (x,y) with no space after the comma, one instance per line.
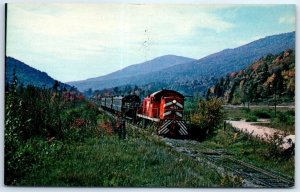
(75,32)
(287,19)
(112,22)
(66,36)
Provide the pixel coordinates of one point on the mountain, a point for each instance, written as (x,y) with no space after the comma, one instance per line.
(195,75)
(27,75)
(270,75)
(235,59)
(129,74)
(198,75)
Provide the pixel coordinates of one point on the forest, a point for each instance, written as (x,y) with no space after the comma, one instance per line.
(269,80)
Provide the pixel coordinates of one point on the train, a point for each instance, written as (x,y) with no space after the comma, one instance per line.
(165,107)
(122,105)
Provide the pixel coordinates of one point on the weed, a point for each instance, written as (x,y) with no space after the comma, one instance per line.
(249,148)
(245,110)
(251,118)
(231,181)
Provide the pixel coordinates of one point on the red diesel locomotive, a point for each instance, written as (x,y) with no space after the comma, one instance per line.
(166,108)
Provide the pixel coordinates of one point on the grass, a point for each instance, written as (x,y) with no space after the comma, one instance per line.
(240,114)
(284,119)
(141,160)
(249,149)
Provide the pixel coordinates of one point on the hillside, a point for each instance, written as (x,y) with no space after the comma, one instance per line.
(27,75)
(235,59)
(128,74)
(270,75)
(196,75)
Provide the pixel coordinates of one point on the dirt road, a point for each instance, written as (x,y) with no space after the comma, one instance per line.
(289,106)
(262,132)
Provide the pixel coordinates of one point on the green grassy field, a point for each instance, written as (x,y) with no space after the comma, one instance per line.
(54,141)
(57,138)
(141,160)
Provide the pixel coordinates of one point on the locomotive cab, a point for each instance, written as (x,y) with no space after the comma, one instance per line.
(165,107)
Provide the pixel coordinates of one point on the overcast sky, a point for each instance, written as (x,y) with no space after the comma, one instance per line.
(79,41)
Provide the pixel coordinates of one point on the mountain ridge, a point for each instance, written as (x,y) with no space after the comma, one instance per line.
(265,47)
(202,71)
(146,67)
(28,75)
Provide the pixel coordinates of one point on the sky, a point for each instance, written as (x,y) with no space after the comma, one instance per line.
(79,41)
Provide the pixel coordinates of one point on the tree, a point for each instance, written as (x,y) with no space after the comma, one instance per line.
(207,95)
(218,90)
(277,85)
(116,90)
(88,93)
(263,76)
(207,116)
(55,85)
(247,90)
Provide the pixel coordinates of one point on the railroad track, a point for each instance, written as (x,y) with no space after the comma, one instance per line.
(226,164)
(251,175)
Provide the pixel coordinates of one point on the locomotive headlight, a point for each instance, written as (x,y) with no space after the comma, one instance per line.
(174,101)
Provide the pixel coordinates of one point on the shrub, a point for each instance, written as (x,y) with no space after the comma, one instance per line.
(207,116)
(273,149)
(251,118)
(105,125)
(231,181)
(262,113)
(284,121)
(285,117)
(31,156)
(246,110)
(33,112)
(291,113)
(236,100)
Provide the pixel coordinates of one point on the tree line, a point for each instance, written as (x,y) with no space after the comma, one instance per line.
(270,79)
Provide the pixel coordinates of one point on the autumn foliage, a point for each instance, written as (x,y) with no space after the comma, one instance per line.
(46,115)
(207,117)
(261,81)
